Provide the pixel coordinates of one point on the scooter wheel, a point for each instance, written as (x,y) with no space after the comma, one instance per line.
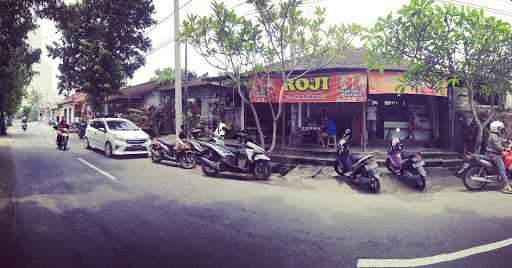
(388,165)
(338,168)
(155,158)
(261,170)
(471,184)
(421,182)
(188,160)
(374,185)
(208,171)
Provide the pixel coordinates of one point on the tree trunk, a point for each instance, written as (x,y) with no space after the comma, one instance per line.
(258,125)
(274,136)
(478,139)
(3,123)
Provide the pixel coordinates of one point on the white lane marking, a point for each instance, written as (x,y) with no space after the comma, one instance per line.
(98,169)
(433,259)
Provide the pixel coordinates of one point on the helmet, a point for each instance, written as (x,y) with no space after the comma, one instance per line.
(496,126)
(220,131)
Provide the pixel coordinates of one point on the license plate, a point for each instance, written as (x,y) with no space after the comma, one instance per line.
(136,146)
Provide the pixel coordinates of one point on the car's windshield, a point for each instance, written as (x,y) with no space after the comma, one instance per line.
(121,125)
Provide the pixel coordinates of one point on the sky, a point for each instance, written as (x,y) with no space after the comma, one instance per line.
(364,12)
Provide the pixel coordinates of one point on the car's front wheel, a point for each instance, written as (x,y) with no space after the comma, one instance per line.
(108,149)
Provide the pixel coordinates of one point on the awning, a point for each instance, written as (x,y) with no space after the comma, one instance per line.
(348,87)
(387,82)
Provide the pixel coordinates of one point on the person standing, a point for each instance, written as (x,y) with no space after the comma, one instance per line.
(371,119)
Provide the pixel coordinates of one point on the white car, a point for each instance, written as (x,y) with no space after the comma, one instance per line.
(116,136)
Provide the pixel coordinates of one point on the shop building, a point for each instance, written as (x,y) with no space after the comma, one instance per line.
(353,97)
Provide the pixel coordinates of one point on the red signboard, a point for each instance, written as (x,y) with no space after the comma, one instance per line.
(312,89)
(387,82)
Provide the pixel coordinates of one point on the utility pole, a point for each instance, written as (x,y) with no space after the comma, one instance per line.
(177,70)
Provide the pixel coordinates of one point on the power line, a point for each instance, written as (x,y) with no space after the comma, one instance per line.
(170,41)
(239,4)
(166,18)
(466,4)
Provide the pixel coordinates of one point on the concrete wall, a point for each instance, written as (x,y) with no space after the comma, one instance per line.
(508,101)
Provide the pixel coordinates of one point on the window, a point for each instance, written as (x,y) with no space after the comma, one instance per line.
(121,125)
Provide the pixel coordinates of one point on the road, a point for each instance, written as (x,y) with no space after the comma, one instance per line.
(80,209)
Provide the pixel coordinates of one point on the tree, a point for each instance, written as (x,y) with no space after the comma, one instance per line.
(290,38)
(17,19)
(446,45)
(229,43)
(166,76)
(236,45)
(34,100)
(102,44)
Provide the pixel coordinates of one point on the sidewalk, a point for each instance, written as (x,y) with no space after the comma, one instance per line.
(434,157)
(6,197)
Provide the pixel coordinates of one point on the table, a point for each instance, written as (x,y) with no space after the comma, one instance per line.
(309,131)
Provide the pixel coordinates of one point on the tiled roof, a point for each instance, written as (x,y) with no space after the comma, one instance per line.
(352,59)
(191,84)
(75,98)
(135,91)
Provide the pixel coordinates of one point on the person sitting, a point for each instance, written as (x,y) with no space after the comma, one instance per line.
(494,150)
(329,129)
(60,127)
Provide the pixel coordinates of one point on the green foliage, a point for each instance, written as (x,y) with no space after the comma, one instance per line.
(445,45)
(17,19)
(166,76)
(102,44)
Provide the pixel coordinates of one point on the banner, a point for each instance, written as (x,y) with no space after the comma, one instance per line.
(311,89)
(387,82)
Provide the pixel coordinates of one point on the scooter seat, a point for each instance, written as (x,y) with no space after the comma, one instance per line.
(483,157)
(168,144)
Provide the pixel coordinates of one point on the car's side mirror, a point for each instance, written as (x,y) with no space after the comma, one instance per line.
(102,129)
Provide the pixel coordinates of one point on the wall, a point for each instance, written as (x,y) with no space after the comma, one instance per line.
(154,99)
(508,101)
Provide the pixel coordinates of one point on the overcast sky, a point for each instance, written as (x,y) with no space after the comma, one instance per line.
(364,12)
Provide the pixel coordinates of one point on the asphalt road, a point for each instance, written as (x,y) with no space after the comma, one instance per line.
(69,214)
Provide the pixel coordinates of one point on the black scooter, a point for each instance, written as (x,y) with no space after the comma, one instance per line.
(218,157)
(62,138)
(412,169)
(365,171)
(81,130)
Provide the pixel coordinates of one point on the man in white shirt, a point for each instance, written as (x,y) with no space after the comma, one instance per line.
(371,118)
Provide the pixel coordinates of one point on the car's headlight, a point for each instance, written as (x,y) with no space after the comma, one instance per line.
(118,137)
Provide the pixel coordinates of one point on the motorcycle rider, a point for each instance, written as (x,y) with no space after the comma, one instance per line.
(494,150)
(60,127)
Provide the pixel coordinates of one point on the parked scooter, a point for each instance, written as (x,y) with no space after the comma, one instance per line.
(62,138)
(182,152)
(81,130)
(412,168)
(365,171)
(479,170)
(218,157)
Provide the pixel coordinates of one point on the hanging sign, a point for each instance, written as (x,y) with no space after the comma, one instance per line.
(311,89)
(387,82)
